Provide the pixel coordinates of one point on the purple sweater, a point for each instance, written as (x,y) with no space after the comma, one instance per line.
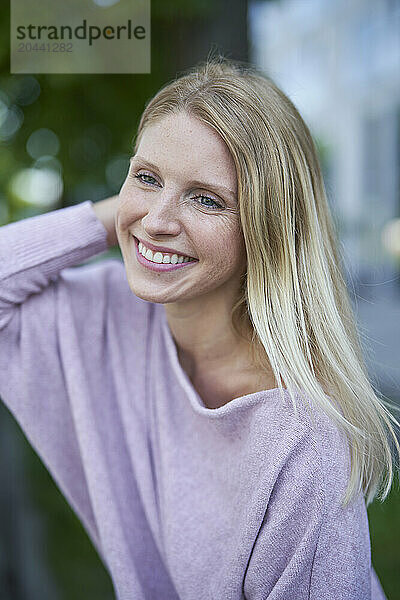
(180,501)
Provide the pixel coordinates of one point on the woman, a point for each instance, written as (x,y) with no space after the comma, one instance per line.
(203,406)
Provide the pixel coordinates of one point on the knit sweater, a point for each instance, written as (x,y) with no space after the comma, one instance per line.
(181,502)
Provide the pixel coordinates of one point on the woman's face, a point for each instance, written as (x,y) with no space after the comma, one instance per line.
(186,201)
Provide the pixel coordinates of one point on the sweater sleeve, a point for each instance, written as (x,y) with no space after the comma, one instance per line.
(33,253)
(309,546)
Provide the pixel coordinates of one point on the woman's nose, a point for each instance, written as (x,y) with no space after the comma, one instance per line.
(161,218)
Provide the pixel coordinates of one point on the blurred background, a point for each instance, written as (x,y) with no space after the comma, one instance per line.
(65,139)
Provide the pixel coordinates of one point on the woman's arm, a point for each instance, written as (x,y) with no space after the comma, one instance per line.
(38,326)
(33,252)
(105,211)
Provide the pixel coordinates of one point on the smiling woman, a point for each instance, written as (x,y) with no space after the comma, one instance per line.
(208,415)
(169,208)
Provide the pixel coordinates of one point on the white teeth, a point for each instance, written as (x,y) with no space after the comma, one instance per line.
(159,257)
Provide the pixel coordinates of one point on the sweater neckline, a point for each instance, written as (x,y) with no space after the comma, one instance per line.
(241,402)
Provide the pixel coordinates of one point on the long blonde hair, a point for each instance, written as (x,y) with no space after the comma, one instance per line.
(293,299)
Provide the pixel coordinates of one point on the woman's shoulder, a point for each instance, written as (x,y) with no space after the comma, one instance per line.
(325,447)
(303,442)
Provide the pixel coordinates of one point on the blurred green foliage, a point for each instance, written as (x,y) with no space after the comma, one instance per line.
(95,117)
(384,523)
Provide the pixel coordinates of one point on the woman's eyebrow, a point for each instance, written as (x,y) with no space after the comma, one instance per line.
(223,188)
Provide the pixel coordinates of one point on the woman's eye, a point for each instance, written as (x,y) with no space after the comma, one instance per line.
(216,205)
(140,175)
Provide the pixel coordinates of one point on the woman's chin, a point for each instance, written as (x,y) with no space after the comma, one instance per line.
(144,293)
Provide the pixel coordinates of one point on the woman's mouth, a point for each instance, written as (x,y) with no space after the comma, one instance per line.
(161,261)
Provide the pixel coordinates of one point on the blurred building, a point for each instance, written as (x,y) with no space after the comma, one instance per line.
(339,62)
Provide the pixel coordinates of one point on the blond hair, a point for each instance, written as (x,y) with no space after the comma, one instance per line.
(294,300)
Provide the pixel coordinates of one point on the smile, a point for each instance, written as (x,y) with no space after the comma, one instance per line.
(160,261)
(161,257)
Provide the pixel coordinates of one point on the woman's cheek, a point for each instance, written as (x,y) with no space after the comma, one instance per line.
(131,206)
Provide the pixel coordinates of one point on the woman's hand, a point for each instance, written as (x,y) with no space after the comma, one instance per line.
(105,211)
